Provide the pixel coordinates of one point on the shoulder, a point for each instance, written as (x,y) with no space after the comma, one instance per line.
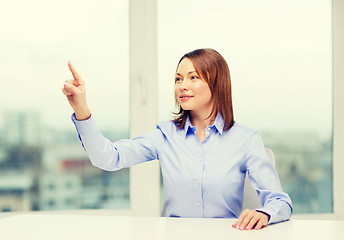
(251,139)
(166,125)
(242,130)
(169,128)
(243,134)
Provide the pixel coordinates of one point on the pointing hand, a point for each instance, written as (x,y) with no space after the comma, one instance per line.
(75,91)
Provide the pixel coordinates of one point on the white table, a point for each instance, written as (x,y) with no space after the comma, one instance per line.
(35,226)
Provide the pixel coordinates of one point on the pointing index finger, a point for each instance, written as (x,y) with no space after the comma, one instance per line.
(76,75)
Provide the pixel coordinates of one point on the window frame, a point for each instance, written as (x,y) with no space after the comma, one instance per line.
(338,109)
(144,178)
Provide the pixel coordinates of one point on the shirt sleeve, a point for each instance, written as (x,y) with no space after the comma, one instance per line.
(265,180)
(112,156)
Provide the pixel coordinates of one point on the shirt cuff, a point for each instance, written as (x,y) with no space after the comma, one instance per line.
(85,127)
(271,215)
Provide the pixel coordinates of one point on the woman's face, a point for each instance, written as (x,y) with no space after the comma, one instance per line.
(191,91)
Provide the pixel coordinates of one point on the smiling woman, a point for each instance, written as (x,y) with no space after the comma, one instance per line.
(192,92)
(205,160)
(281,76)
(210,82)
(194,97)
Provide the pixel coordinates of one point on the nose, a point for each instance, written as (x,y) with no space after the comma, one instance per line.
(184,86)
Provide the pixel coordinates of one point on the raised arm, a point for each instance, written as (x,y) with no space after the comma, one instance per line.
(75,91)
(102,152)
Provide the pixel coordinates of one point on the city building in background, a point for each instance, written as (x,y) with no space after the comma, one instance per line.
(43,170)
(304,164)
(43,165)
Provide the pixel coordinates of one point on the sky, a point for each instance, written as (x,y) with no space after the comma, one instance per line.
(278,52)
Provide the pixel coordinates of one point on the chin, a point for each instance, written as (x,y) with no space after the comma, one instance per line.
(186,108)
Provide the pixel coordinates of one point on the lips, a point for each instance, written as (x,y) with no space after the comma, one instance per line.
(185,97)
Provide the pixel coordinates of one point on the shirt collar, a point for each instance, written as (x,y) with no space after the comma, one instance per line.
(218,124)
(188,126)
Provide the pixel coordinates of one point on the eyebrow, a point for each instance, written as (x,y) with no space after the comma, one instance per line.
(188,73)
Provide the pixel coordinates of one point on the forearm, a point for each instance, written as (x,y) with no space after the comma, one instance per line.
(99,149)
(121,154)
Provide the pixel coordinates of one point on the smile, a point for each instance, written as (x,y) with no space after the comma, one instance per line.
(185,97)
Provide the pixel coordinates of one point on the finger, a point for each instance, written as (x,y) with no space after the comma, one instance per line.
(241,218)
(69,89)
(244,223)
(70,81)
(246,220)
(239,221)
(76,75)
(253,222)
(67,92)
(261,223)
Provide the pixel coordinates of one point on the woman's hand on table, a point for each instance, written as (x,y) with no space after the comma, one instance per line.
(251,219)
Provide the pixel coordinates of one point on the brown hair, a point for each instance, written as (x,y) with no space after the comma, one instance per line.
(213,69)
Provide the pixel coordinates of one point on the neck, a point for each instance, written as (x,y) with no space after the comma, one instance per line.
(201,121)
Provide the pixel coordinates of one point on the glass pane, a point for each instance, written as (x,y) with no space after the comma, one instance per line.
(42,163)
(279,55)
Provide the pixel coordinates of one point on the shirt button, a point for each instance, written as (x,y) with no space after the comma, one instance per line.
(209,128)
(205,139)
(198,204)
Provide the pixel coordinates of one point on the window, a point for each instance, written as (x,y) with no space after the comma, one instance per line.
(42,163)
(38,140)
(280,57)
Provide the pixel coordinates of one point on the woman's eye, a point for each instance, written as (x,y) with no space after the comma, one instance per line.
(178,79)
(194,77)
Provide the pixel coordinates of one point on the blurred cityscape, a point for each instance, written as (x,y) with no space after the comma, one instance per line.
(47,169)
(304,164)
